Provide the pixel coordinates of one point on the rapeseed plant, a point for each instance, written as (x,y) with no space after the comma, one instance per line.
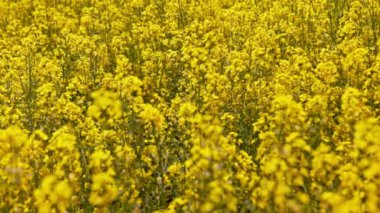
(189,106)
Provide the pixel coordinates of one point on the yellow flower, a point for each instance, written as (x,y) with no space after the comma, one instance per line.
(53,194)
(151,114)
(103,190)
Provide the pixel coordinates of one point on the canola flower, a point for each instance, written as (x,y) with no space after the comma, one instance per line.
(189,106)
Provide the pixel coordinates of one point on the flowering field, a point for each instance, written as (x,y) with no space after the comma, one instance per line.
(189,106)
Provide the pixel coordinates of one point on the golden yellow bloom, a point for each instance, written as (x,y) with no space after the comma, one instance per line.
(53,195)
(103,190)
(151,114)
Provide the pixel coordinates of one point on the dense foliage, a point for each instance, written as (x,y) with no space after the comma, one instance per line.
(189,106)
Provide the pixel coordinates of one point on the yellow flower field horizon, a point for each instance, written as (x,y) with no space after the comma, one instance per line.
(189,106)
